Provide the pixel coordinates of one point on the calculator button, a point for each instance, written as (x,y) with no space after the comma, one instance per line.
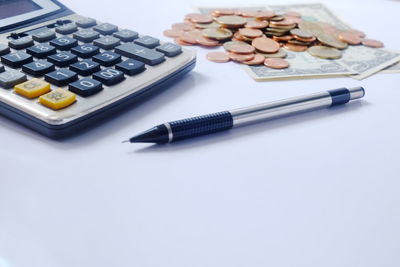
(2,68)
(58,99)
(64,43)
(10,78)
(85,50)
(107,58)
(86,87)
(16,59)
(86,35)
(67,28)
(21,43)
(106,28)
(61,77)
(4,49)
(85,67)
(109,76)
(38,68)
(107,42)
(131,66)
(43,35)
(85,22)
(41,50)
(147,41)
(169,49)
(140,53)
(63,59)
(126,35)
(32,88)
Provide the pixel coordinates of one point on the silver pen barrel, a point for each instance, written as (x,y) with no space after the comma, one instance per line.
(272,110)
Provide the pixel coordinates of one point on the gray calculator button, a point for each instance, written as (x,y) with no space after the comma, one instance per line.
(86,36)
(67,28)
(126,35)
(107,42)
(106,28)
(21,43)
(147,41)
(169,49)
(43,35)
(1,68)
(4,49)
(10,78)
(148,56)
(86,22)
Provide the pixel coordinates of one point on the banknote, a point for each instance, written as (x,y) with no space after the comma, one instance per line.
(357,62)
(395,68)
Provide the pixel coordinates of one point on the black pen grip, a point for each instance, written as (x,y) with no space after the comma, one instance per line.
(201,125)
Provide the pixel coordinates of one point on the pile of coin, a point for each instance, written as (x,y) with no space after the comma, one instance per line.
(261,37)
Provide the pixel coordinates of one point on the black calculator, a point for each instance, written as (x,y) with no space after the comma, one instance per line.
(61,72)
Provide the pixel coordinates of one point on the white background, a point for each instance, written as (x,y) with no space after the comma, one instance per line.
(320,189)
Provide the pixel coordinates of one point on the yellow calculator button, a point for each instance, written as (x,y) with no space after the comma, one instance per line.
(32,88)
(57,99)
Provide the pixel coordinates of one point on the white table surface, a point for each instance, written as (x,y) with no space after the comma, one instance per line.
(320,189)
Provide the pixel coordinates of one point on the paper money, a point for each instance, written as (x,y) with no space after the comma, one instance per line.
(357,62)
(395,68)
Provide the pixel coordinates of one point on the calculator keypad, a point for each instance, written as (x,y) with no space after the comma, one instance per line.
(82,55)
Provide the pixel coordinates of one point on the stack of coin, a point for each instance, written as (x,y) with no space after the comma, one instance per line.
(262,37)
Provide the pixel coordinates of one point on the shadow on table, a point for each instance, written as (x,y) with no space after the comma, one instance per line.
(247,131)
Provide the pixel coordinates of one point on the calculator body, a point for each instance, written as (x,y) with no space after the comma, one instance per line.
(87,110)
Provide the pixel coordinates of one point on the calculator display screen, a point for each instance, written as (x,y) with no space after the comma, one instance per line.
(11,8)
(17,12)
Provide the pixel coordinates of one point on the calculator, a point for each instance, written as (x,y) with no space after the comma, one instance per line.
(61,72)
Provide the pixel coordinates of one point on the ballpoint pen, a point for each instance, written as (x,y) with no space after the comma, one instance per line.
(226,120)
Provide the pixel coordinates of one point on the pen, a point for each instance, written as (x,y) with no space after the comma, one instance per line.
(226,120)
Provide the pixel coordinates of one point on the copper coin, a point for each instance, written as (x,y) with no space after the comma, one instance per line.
(296,48)
(372,43)
(248,14)
(283,38)
(181,42)
(218,57)
(251,33)
(223,12)
(201,40)
(256,24)
(295,19)
(173,33)
(182,26)
(276,63)
(241,58)
(285,22)
(359,33)
(350,38)
(200,18)
(257,60)
(239,47)
(187,37)
(264,14)
(292,14)
(265,45)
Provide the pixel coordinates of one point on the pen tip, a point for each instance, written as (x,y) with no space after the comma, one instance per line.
(125,141)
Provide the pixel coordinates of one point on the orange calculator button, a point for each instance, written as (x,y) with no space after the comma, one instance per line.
(58,99)
(32,88)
